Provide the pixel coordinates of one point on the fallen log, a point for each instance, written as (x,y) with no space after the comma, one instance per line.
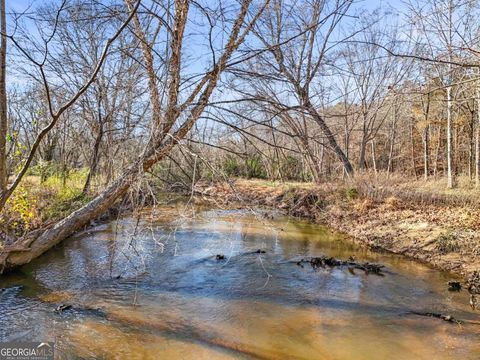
(324,261)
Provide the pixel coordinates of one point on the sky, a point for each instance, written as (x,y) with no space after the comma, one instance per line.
(21,5)
(197,66)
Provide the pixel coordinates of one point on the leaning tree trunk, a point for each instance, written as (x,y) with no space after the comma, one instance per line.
(160,144)
(330,137)
(33,245)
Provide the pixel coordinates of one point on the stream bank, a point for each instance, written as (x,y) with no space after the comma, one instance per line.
(440,234)
(151,283)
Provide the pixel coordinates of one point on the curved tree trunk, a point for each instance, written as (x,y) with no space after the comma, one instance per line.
(32,246)
(161,141)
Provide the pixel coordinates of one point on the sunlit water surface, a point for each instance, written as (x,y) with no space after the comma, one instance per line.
(153,289)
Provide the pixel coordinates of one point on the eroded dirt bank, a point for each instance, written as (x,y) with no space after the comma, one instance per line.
(444,235)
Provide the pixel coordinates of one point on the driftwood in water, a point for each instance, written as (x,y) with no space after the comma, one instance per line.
(447,318)
(324,261)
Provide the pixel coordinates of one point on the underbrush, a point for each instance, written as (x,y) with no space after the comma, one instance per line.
(382,186)
(35,203)
(447,243)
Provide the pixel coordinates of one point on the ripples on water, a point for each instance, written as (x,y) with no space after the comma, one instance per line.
(153,289)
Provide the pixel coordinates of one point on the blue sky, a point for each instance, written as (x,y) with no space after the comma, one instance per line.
(19,5)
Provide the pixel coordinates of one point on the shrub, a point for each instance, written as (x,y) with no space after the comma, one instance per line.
(291,168)
(351,194)
(231,166)
(447,243)
(254,168)
(20,213)
(44,170)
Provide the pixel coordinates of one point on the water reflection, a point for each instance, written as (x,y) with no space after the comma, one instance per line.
(150,287)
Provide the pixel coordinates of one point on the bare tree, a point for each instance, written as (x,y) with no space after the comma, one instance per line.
(299,41)
(169,123)
(55,114)
(443,26)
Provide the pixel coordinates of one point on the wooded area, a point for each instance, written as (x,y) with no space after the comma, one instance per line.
(102,101)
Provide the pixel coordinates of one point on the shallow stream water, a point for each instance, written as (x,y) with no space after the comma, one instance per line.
(152,288)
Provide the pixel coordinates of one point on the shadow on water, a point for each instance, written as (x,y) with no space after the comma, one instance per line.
(138,290)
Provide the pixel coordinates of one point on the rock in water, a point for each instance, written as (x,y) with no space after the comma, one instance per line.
(454,286)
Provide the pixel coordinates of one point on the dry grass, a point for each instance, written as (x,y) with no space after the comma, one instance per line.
(392,203)
(419,192)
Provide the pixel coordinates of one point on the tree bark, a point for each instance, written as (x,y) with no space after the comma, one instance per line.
(3,100)
(374,157)
(412,153)
(96,148)
(471,145)
(330,138)
(362,163)
(94,162)
(477,141)
(158,147)
(393,136)
(426,152)
(450,166)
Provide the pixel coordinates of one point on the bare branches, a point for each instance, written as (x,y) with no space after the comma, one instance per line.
(55,115)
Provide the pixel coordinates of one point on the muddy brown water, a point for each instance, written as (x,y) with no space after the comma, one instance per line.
(153,289)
